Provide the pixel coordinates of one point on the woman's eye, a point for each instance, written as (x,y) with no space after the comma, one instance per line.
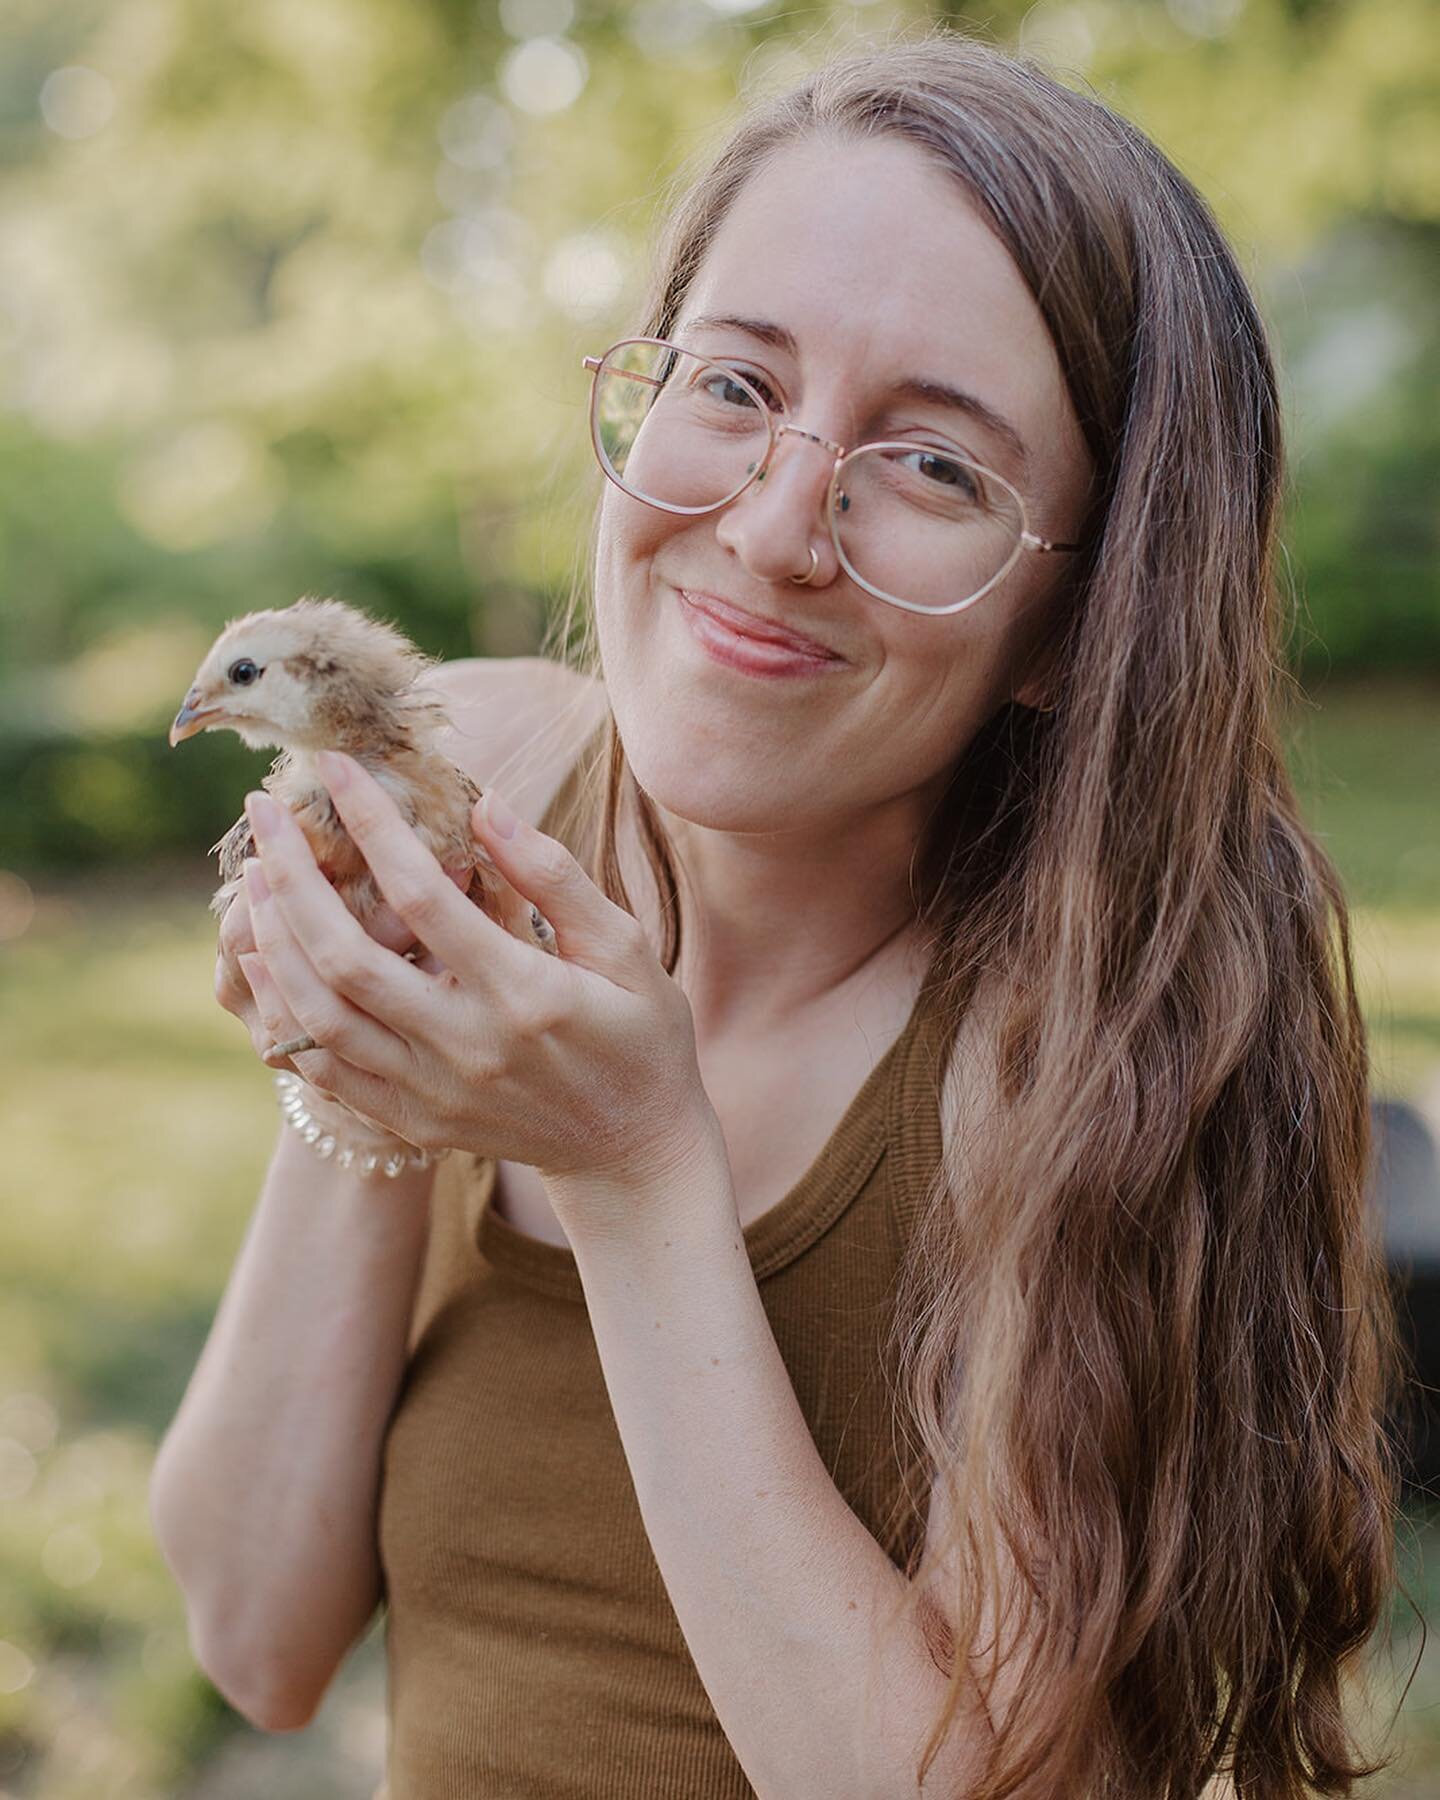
(944,471)
(242,672)
(727,389)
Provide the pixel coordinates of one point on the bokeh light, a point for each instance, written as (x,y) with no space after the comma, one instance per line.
(16,1669)
(585,273)
(543,75)
(71,1556)
(670,28)
(537,18)
(477,132)
(17,1469)
(17,906)
(206,482)
(77,102)
(1205,18)
(30,1419)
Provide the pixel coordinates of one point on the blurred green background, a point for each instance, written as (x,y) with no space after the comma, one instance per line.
(293,297)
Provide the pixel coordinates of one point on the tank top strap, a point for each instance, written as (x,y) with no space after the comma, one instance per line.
(913,1123)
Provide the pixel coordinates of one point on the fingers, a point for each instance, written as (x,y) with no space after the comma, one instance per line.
(436,911)
(274,1023)
(237,936)
(236,940)
(589,928)
(299,1000)
(321,937)
(388,928)
(281,1026)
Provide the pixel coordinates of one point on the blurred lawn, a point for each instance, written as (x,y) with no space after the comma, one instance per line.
(136,1127)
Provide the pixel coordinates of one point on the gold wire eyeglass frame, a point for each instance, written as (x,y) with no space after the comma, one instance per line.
(1026,539)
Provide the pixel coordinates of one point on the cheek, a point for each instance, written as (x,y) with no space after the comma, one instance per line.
(637,548)
(942,679)
(631,532)
(629,537)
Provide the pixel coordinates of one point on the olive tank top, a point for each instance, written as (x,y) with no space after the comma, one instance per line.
(532,1649)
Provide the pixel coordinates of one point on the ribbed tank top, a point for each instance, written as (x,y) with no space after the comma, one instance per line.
(532,1648)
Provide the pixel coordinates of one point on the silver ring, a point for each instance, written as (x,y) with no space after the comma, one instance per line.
(292,1048)
(809,575)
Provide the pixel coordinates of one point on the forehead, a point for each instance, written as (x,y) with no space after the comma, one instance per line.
(877,262)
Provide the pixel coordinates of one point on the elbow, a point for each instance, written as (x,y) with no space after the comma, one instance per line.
(269,1644)
(263,1697)
(248,1679)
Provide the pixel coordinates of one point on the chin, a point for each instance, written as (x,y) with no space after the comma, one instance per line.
(707,777)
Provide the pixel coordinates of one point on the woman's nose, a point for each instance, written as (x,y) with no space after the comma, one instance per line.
(780,517)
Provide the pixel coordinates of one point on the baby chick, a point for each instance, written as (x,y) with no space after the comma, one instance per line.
(321,675)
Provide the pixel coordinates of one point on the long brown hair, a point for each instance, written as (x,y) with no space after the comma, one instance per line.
(1149,1356)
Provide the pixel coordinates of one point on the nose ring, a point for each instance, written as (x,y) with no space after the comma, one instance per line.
(809,575)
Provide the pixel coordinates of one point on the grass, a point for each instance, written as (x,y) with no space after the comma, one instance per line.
(136,1126)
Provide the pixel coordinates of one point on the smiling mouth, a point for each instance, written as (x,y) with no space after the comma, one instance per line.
(747,625)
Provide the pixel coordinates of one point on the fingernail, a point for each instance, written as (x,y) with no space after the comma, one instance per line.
(264,815)
(256,886)
(498,816)
(334,769)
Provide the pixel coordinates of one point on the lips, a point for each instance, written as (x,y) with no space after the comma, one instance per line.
(752,626)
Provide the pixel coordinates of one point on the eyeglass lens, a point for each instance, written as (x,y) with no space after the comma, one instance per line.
(913,521)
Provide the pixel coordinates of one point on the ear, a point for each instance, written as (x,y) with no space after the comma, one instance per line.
(1037,684)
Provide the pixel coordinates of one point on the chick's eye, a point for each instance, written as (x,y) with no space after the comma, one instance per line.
(243,672)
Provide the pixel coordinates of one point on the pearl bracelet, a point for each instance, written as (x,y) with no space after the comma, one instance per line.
(324,1142)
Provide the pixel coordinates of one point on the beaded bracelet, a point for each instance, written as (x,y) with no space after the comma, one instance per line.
(324,1142)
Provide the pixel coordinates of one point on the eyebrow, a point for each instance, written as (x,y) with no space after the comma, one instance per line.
(924,388)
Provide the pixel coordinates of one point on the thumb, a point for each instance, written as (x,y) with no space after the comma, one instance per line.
(589,928)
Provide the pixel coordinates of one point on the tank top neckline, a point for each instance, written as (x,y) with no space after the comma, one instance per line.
(816,1200)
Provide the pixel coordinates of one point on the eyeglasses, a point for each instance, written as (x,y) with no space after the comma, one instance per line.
(916,524)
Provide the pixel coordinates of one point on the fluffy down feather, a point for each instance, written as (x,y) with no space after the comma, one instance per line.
(322,675)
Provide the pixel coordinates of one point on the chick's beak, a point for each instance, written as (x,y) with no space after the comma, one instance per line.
(193,716)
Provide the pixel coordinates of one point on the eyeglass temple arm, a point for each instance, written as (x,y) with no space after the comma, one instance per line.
(593,364)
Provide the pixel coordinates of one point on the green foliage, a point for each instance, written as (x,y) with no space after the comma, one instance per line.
(1360,327)
(293,300)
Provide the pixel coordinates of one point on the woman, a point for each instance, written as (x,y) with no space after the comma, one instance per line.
(947,974)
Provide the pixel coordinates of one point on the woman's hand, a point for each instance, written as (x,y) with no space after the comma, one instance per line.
(236,959)
(582,1064)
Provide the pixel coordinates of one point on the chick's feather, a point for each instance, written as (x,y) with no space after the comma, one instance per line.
(323,675)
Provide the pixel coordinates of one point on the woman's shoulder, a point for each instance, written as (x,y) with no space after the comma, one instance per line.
(517,722)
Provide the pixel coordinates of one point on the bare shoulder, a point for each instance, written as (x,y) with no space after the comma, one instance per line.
(517,722)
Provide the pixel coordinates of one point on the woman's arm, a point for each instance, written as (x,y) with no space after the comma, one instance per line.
(586,1069)
(781,1592)
(265,1490)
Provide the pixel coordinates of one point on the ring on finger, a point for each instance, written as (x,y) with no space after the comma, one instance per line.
(292,1047)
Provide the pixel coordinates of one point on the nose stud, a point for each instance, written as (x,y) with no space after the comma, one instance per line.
(809,575)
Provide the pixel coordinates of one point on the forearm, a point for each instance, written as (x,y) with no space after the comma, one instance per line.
(265,1489)
(785,1599)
